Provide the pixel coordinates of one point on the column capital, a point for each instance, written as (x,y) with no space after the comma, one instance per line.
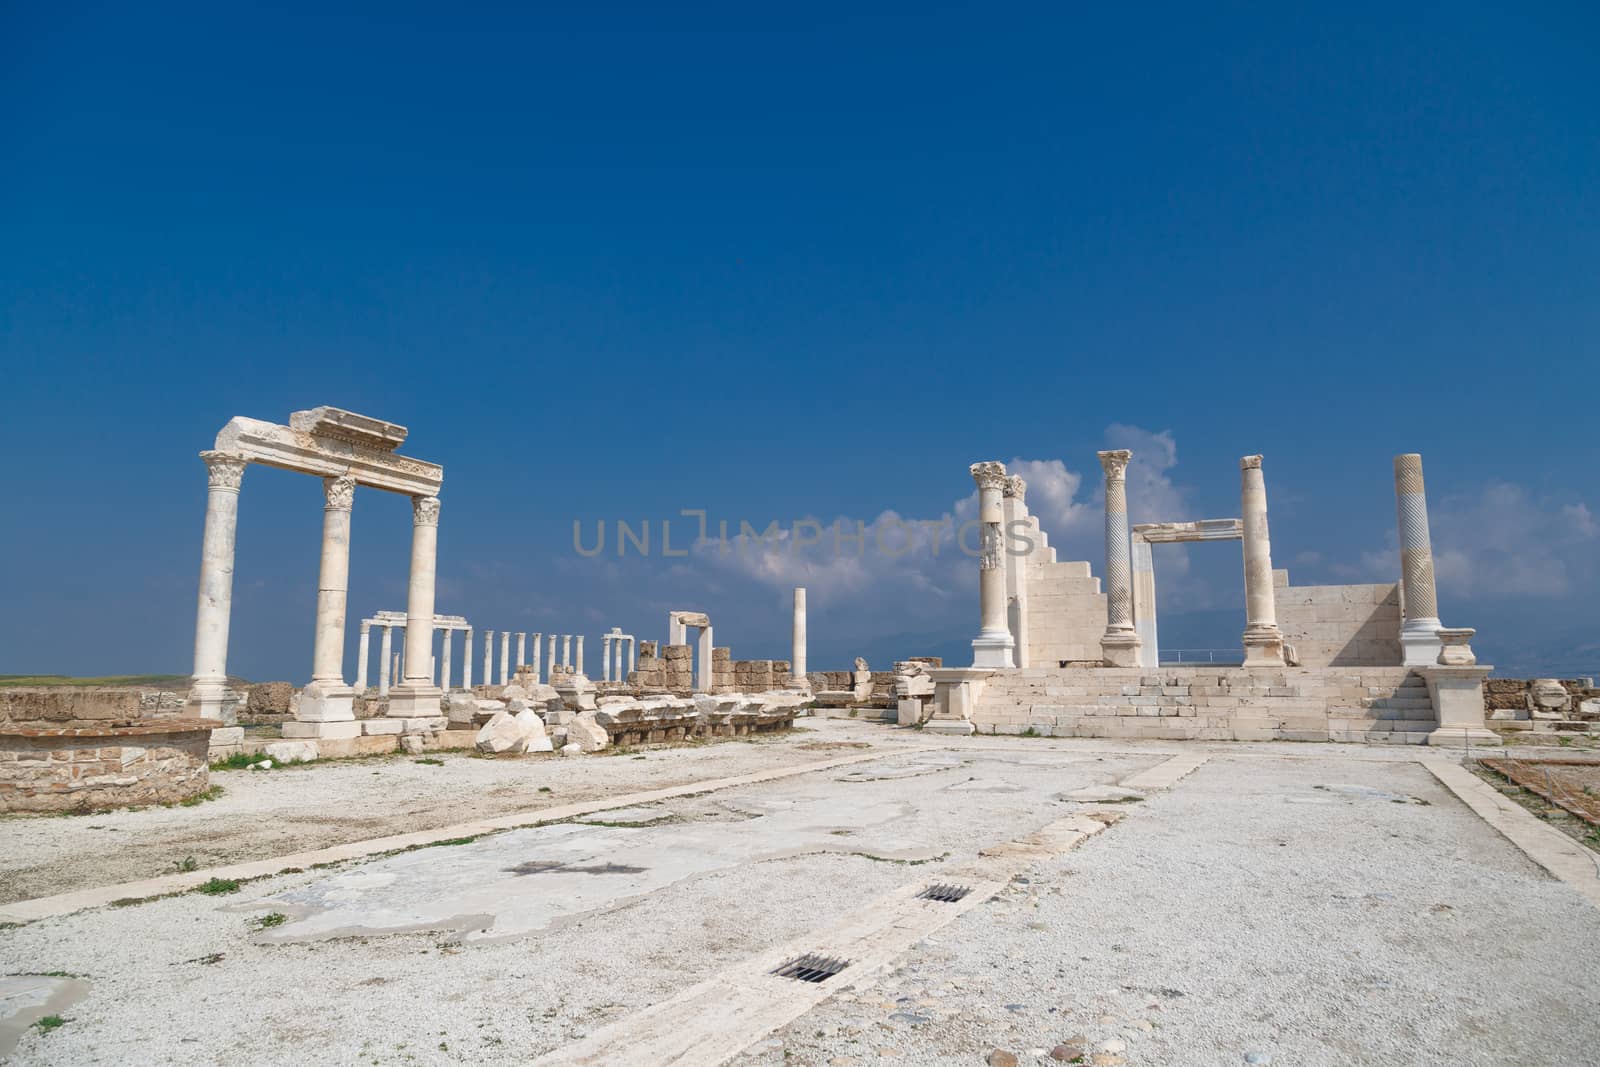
(366,627)
(224,470)
(340,492)
(1249,463)
(1115,463)
(989,474)
(1015,487)
(425,510)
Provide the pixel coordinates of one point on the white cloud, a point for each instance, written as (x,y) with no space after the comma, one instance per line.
(1500,541)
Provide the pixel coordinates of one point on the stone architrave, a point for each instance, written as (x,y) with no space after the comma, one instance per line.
(1263,641)
(993,647)
(1419,627)
(1120,645)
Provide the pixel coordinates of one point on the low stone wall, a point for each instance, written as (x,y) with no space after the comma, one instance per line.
(1512,693)
(109,765)
(1374,704)
(62,705)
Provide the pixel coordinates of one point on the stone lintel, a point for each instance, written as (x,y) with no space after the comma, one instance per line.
(1163,533)
(344,425)
(328,457)
(691,618)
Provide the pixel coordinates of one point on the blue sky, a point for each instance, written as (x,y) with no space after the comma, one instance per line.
(613,262)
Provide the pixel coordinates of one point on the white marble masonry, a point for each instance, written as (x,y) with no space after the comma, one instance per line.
(993,647)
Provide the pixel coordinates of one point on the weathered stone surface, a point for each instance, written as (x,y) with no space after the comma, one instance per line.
(1548,699)
(587,734)
(291,751)
(511,731)
(267,700)
(572,750)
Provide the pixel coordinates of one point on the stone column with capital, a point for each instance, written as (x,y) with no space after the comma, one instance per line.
(1263,641)
(578,662)
(994,646)
(522,648)
(327,698)
(209,696)
(566,650)
(1120,646)
(384,661)
(417,698)
(466,661)
(606,649)
(488,657)
(362,655)
(797,641)
(505,656)
(554,640)
(1419,629)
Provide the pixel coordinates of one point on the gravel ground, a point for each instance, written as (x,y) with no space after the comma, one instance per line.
(273,813)
(1249,917)
(182,980)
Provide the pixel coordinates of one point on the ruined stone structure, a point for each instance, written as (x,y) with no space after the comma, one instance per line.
(1330,662)
(345,450)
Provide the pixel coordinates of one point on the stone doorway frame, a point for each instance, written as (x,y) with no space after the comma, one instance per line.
(1143,536)
(679,623)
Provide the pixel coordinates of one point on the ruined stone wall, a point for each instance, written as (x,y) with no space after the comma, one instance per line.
(1066,613)
(1512,693)
(89,769)
(1383,704)
(1341,625)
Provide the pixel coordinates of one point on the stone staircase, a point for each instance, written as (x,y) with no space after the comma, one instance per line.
(1406,717)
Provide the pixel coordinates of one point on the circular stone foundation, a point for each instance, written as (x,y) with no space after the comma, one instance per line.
(89,766)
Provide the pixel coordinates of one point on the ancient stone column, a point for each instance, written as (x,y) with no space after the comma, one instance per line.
(1120,644)
(797,638)
(553,661)
(1419,630)
(993,647)
(1263,642)
(488,657)
(632,648)
(1015,556)
(361,657)
(522,648)
(416,696)
(445,636)
(605,657)
(466,661)
(505,656)
(702,678)
(326,698)
(384,661)
(209,696)
(566,650)
(538,639)
(578,664)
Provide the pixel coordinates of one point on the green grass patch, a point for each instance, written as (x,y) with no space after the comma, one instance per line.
(199,798)
(216,887)
(49,1023)
(271,919)
(237,761)
(187,864)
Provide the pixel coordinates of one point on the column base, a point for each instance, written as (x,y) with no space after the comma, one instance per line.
(949,726)
(1264,649)
(331,730)
(993,651)
(1121,649)
(322,702)
(1420,646)
(1464,737)
(415,702)
(213,700)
